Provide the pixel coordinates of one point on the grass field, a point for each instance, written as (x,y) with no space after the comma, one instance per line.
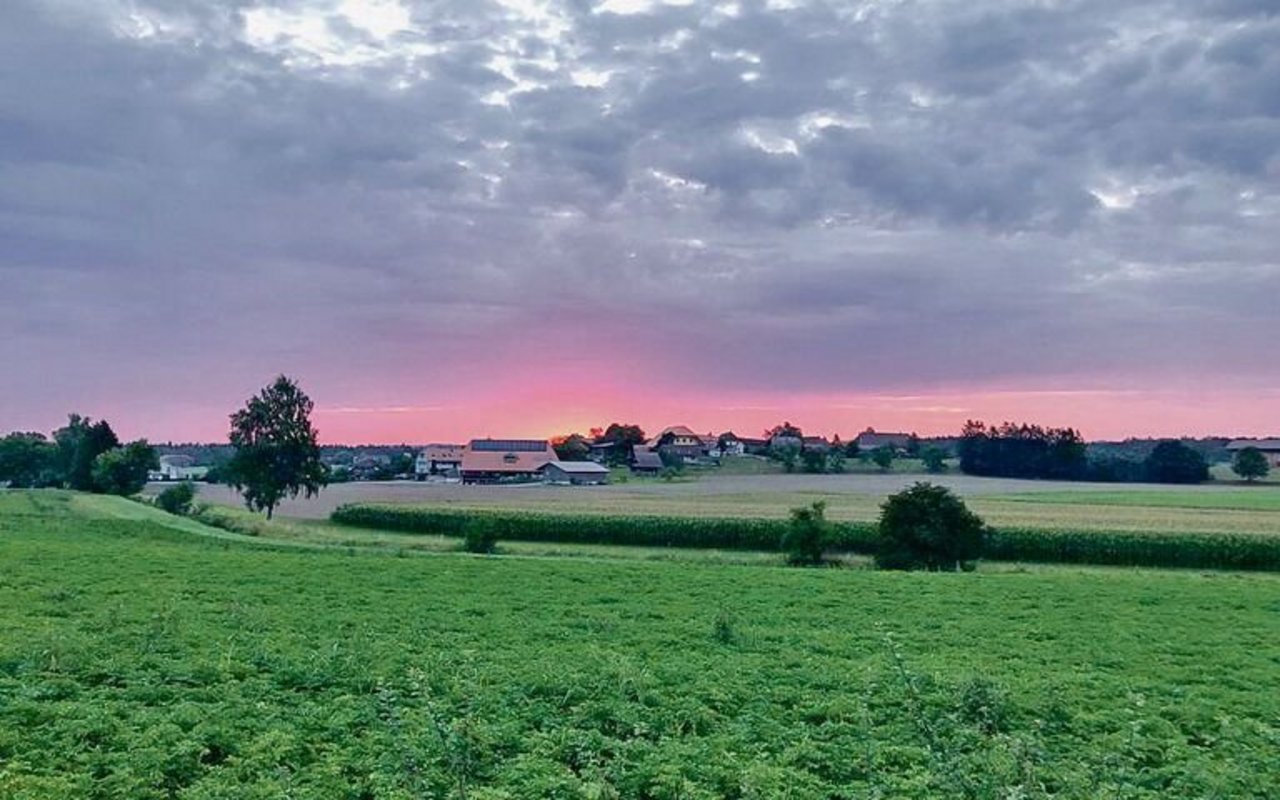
(144,656)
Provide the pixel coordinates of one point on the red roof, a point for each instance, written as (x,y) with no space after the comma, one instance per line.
(523,456)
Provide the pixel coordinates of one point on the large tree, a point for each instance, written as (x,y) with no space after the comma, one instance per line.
(276,451)
(1174,462)
(80,443)
(622,437)
(1250,464)
(28,459)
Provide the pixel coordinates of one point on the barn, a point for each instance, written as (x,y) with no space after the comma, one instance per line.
(575,473)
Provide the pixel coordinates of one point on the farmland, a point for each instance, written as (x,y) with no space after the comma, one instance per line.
(1018,503)
(146,656)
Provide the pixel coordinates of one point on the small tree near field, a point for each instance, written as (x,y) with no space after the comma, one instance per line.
(882,457)
(177,499)
(934,459)
(276,450)
(927,527)
(1250,464)
(806,539)
(123,470)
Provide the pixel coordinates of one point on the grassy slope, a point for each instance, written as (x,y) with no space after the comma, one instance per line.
(138,661)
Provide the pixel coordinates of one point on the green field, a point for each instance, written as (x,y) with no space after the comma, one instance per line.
(143,656)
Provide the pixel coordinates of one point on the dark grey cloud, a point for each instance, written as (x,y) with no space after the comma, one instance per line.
(816,195)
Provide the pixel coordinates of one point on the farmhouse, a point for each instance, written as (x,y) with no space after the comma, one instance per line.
(871,439)
(439,459)
(575,473)
(645,461)
(1270,448)
(730,445)
(500,460)
(679,441)
(177,468)
(817,444)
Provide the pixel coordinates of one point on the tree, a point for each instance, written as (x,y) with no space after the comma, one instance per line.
(882,457)
(786,454)
(80,442)
(786,429)
(573,447)
(813,462)
(1022,451)
(1173,462)
(123,470)
(276,452)
(934,459)
(1250,464)
(927,527)
(807,537)
(835,460)
(177,499)
(28,460)
(622,437)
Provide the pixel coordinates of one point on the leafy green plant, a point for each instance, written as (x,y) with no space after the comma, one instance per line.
(1250,464)
(177,499)
(928,527)
(480,535)
(808,535)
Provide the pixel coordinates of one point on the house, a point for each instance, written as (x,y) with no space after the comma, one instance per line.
(730,445)
(439,459)
(780,442)
(645,461)
(177,468)
(505,460)
(871,439)
(817,444)
(1270,449)
(575,473)
(754,447)
(678,441)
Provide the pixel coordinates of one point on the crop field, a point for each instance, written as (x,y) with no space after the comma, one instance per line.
(1016,503)
(146,656)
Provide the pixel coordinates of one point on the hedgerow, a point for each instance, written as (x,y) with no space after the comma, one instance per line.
(1115,548)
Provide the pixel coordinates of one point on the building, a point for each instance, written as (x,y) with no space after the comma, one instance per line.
(1270,449)
(817,444)
(730,445)
(505,460)
(680,442)
(440,460)
(871,439)
(177,468)
(575,473)
(645,461)
(754,447)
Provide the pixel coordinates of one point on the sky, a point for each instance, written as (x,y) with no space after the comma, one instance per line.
(456,218)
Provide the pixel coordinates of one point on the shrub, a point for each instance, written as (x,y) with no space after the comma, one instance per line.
(928,527)
(480,535)
(808,535)
(123,470)
(934,459)
(177,499)
(882,457)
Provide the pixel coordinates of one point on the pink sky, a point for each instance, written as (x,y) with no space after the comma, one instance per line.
(1098,413)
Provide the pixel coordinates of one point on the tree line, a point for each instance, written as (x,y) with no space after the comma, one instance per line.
(83,455)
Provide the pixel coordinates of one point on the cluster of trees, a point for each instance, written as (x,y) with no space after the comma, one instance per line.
(618,438)
(1022,450)
(83,455)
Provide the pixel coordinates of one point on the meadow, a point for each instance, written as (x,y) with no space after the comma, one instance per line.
(148,656)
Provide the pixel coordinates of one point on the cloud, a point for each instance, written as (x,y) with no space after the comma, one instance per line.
(389,197)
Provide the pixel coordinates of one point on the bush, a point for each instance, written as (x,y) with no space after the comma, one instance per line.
(123,470)
(177,499)
(882,457)
(808,535)
(480,535)
(934,458)
(928,527)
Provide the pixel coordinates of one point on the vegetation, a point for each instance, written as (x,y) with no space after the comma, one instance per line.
(1174,462)
(276,453)
(28,460)
(1008,543)
(1021,451)
(123,470)
(177,499)
(480,535)
(934,459)
(882,457)
(149,662)
(807,536)
(572,447)
(1250,464)
(622,437)
(927,527)
(80,443)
